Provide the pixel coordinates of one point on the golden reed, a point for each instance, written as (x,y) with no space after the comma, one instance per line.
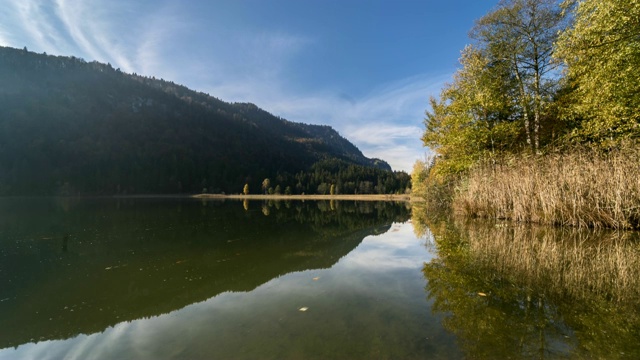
(583,189)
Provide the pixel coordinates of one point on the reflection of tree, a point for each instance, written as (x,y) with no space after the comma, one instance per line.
(508,322)
(534,292)
(421,215)
(325,215)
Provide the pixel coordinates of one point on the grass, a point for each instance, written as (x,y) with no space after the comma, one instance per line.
(583,189)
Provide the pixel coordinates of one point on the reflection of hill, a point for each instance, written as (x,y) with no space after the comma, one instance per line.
(101,262)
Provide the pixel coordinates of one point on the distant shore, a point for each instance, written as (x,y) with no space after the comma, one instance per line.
(376,197)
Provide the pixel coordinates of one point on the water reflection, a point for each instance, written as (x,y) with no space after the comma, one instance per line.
(207,279)
(355,268)
(72,267)
(535,292)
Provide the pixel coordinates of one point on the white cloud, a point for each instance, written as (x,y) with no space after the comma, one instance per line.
(121,33)
(5,15)
(382,134)
(92,27)
(159,46)
(64,27)
(29,22)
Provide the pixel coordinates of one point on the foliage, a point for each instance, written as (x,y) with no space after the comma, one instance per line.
(504,82)
(473,117)
(602,54)
(500,93)
(437,192)
(419,177)
(347,178)
(500,96)
(520,35)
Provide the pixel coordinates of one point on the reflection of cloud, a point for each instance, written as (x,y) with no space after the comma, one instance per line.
(396,249)
(140,337)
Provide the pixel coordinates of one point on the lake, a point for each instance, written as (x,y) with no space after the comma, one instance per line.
(183,278)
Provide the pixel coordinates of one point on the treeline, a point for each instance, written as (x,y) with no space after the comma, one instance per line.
(332,177)
(72,127)
(541,77)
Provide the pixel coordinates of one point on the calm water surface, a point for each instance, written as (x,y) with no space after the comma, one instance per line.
(151,279)
(186,279)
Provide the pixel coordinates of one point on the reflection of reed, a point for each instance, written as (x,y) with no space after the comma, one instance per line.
(578,263)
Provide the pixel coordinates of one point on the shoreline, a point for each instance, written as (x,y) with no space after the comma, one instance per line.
(312,197)
(368,197)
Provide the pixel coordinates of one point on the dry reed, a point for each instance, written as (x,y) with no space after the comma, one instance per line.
(583,189)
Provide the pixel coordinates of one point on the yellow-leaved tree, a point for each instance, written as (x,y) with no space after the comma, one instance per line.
(602,54)
(474,116)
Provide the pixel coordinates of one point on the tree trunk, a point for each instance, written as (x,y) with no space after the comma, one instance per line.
(523,101)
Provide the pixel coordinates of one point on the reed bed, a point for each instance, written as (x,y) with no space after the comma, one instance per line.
(582,189)
(569,262)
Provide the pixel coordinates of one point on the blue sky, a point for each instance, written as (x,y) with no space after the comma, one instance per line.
(367,68)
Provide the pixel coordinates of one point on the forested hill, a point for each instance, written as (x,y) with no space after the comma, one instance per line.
(68,126)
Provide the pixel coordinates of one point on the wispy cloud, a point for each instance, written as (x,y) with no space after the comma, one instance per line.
(120,33)
(63,27)
(31,22)
(90,26)
(5,38)
(163,44)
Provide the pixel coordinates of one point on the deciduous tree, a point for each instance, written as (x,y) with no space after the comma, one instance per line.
(474,115)
(602,54)
(266,184)
(521,34)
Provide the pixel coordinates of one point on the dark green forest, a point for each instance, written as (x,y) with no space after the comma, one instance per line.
(72,127)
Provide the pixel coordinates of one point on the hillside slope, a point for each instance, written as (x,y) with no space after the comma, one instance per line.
(68,126)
